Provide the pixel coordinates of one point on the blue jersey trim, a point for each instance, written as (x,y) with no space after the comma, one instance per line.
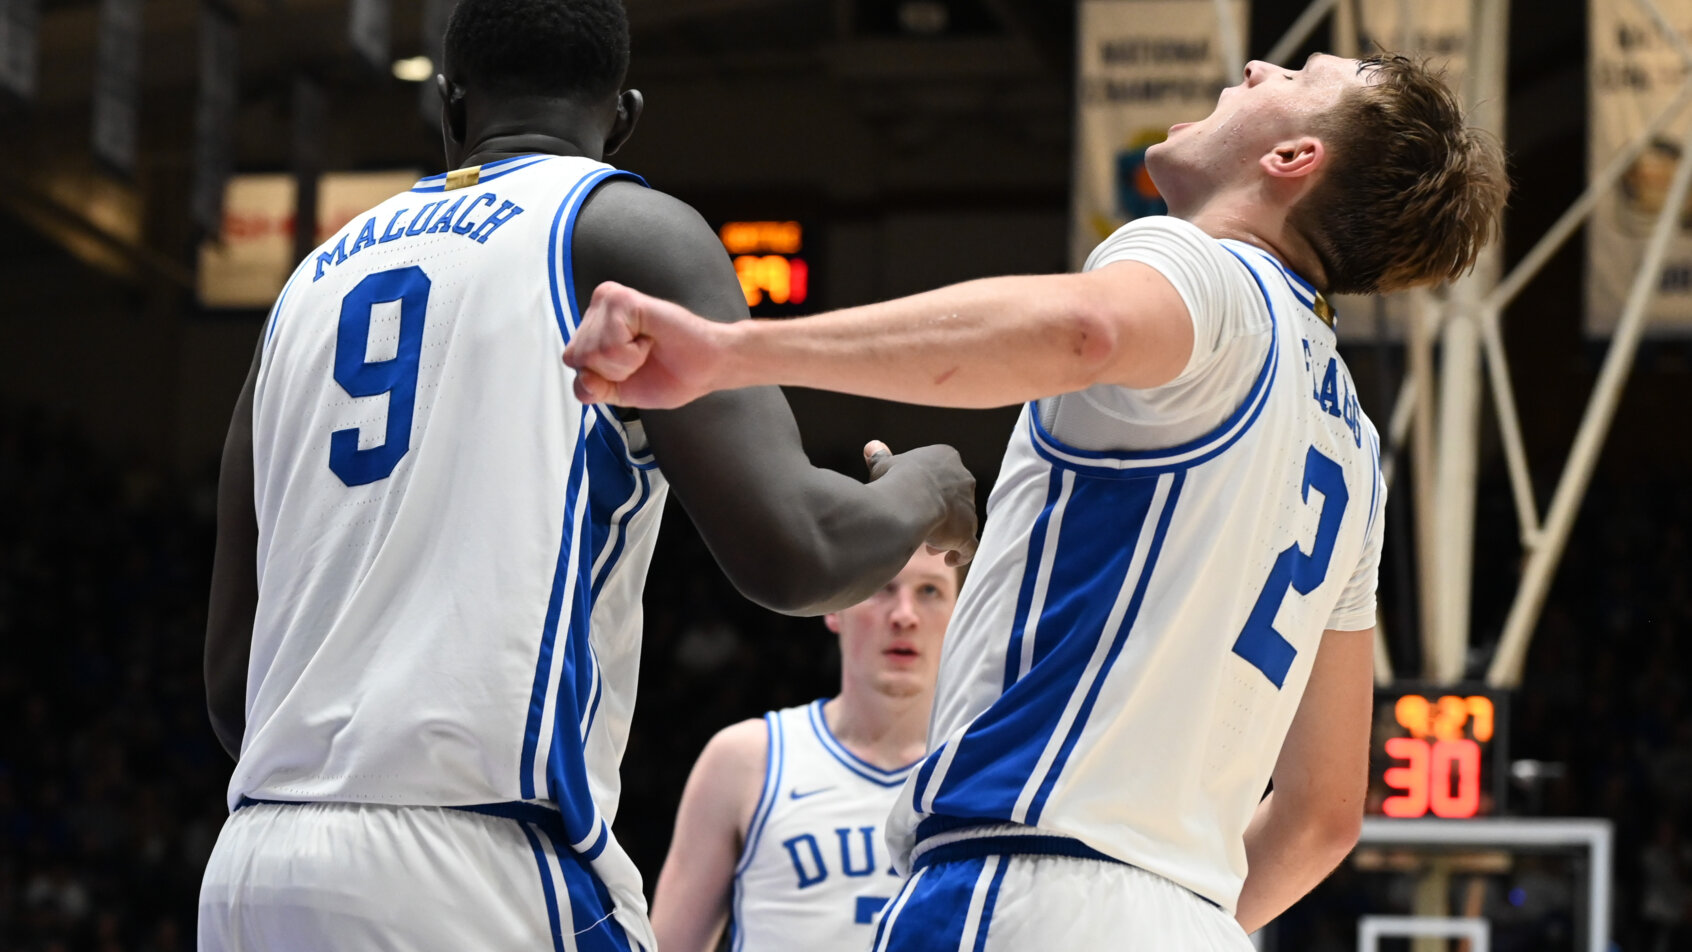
(591,182)
(555,252)
(612,478)
(849,760)
(1374,478)
(549,628)
(276,309)
(566,768)
(925,774)
(1303,290)
(598,847)
(774,756)
(1030,578)
(619,526)
(437,182)
(998,771)
(1129,464)
(561,268)
(597,692)
(774,761)
(638,460)
(592,923)
(1119,638)
(565,759)
(616,494)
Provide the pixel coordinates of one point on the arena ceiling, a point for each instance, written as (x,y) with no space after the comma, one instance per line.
(910,70)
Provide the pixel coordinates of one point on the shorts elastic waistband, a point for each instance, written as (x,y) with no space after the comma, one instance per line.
(977,847)
(526,811)
(1009,839)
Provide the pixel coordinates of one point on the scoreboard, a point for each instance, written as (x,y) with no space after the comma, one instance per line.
(769,259)
(1438,751)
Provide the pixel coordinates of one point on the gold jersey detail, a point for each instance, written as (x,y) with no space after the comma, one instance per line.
(1323,309)
(463,178)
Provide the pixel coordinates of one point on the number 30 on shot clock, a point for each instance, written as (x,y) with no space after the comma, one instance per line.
(1436,752)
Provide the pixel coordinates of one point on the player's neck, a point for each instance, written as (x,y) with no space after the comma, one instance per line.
(1262,226)
(889,732)
(531,125)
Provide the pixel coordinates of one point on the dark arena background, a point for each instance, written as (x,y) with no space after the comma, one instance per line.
(157,154)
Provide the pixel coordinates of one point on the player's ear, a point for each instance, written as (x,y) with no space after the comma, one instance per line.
(832,620)
(454,116)
(1294,158)
(629,104)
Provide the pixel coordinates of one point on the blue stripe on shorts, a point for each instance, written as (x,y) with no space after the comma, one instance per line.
(934,912)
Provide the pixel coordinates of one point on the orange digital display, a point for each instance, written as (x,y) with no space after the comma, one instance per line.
(762,237)
(783,280)
(767,261)
(1436,763)
(1446,718)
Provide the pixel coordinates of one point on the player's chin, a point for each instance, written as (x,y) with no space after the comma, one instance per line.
(904,681)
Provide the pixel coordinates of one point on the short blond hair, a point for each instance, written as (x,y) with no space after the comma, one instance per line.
(1412,193)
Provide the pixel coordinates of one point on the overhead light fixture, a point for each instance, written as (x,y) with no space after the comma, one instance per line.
(925,17)
(414,69)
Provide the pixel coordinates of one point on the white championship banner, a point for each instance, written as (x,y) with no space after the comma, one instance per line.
(248,264)
(1635,73)
(1437,30)
(1141,67)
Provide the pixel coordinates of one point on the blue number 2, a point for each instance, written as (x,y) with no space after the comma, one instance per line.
(1259,642)
(396,377)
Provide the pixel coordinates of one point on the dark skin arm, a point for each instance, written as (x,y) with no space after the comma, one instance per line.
(234,587)
(790,536)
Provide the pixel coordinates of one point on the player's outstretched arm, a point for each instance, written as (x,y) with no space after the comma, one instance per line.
(790,536)
(691,902)
(1311,821)
(234,586)
(982,343)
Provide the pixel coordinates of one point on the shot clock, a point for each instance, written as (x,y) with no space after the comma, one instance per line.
(1438,752)
(769,259)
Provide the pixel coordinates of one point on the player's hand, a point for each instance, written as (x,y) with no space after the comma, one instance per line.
(955,486)
(634,350)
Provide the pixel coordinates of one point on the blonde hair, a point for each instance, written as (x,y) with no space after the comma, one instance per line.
(1411,194)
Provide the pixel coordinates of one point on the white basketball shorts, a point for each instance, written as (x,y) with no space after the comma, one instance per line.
(972,896)
(332,876)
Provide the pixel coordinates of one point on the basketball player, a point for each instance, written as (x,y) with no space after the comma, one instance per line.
(424,643)
(782,817)
(1175,594)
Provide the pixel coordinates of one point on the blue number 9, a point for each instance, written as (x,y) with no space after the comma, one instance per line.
(370,378)
(1259,642)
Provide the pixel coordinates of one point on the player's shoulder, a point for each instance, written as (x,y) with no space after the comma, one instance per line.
(738,747)
(729,774)
(639,236)
(1153,239)
(626,206)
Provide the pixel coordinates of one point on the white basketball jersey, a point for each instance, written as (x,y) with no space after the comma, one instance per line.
(451,547)
(815,871)
(1138,625)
